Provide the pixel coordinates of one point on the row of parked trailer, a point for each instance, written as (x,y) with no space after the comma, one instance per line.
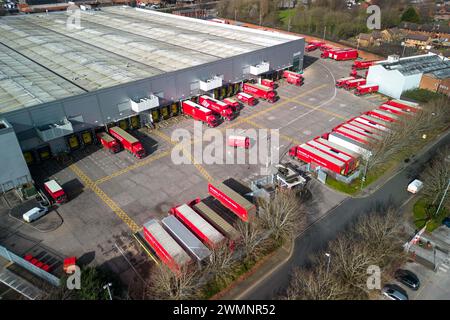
(340,150)
(193,229)
(331,52)
(359,85)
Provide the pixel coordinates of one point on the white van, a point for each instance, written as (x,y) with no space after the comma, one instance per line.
(415,186)
(34,214)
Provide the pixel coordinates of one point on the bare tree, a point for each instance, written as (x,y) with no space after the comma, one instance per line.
(283,215)
(168,285)
(254,240)
(436,177)
(222,262)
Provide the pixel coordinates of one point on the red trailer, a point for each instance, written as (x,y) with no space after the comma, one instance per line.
(310,47)
(260,91)
(232,200)
(405,105)
(55,191)
(199,226)
(327,51)
(350,163)
(200,113)
(351,84)
(233,103)
(108,142)
(238,141)
(225,111)
(293,77)
(354,135)
(340,148)
(394,110)
(129,143)
(363,64)
(346,54)
(383,115)
(366,89)
(317,43)
(309,154)
(368,132)
(327,47)
(246,98)
(366,127)
(341,82)
(374,122)
(167,249)
(268,83)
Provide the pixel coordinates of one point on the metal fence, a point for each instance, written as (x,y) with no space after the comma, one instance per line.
(5,253)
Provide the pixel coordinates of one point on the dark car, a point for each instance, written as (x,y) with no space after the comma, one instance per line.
(408,278)
(446,222)
(394,292)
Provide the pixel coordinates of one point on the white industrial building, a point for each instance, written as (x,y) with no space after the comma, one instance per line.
(397,75)
(121,66)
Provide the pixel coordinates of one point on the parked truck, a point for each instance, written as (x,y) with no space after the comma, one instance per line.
(238,141)
(199,226)
(233,103)
(341,82)
(260,91)
(232,200)
(350,163)
(193,246)
(268,83)
(108,142)
(345,54)
(200,113)
(352,84)
(165,247)
(55,191)
(366,89)
(129,143)
(363,64)
(293,77)
(223,109)
(246,98)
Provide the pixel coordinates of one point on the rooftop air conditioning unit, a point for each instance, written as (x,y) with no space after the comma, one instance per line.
(145,103)
(393,58)
(211,84)
(260,68)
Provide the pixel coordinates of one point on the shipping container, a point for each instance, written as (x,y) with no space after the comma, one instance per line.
(186,238)
(216,220)
(350,143)
(199,226)
(260,91)
(232,200)
(200,113)
(129,143)
(167,249)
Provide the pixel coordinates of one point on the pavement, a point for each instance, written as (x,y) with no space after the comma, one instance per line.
(318,234)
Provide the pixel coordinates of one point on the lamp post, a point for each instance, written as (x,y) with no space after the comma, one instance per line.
(106,286)
(443,197)
(329,260)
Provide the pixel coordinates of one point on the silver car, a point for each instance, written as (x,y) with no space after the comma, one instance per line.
(394,292)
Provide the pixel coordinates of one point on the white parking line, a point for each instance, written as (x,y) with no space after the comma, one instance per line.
(332,119)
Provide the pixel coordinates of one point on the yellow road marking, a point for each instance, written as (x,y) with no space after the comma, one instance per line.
(317,108)
(285,137)
(145,249)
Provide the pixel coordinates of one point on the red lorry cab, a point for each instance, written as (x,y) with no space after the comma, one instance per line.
(310,47)
(260,91)
(341,82)
(108,142)
(351,84)
(238,141)
(233,103)
(246,98)
(129,143)
(366,89)
(220,107)
(268,83)
(293,77)
(55,191)
(200,113)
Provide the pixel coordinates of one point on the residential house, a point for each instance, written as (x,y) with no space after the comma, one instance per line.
(364,40)
(377,38)
(392,34)
(419,41)
(437,81)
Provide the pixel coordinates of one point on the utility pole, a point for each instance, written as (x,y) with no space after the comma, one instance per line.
(363,178)
(443,197)
(328,264)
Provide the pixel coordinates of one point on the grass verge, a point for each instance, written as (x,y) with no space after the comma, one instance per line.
(422,210)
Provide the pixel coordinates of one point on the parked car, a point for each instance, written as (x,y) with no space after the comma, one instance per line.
(394,292)
(407,278)
(34,214)
(415,186)
(446,222)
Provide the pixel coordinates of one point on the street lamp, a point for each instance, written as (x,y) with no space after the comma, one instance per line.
(329,260)
(443,197)
(107,286)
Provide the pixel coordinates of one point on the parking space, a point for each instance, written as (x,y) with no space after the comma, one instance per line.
(112,195)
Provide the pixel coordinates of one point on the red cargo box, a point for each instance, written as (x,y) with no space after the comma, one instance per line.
(238,141)
(69,262)
(246,98)
(28,257)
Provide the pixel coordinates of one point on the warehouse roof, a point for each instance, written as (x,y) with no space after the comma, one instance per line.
(417,64)
(42,60)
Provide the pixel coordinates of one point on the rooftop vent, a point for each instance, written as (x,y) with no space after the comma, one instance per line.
(393,58)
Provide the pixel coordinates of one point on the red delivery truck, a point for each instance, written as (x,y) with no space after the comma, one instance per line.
(55,191)
(246,98)
(363,64)
(129,143)
(405,105)
(260,91)
(309,154)
(167,249)
(200,113)
(351,84)
(238,141)
(268,83)
(341,82)
(350,163)
(310,47)
(327,50)
(233,103)
(225,111)
(383,115)
(108,142)
(232,200)
(346,54)
(199,226)
(293,77)
(366,89)
(394,110)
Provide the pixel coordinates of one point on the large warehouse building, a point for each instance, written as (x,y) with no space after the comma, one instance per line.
(124,66)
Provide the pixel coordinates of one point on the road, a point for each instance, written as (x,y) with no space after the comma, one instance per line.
(393,192)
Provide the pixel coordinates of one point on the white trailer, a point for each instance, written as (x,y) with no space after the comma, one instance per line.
(351,144)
